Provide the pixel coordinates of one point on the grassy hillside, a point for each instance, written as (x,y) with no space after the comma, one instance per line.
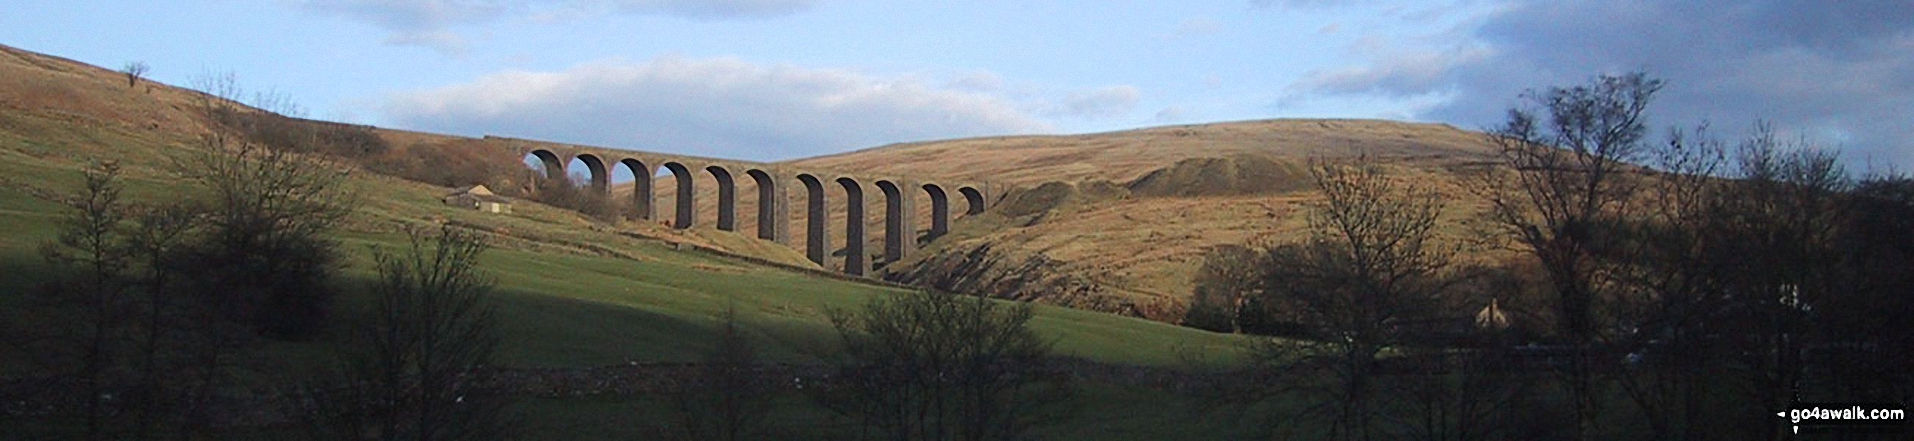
(1116,221)
(1123,156)
(571,292)
(1119,221)
(1110,216)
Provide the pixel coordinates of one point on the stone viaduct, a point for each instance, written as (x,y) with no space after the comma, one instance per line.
(772,181)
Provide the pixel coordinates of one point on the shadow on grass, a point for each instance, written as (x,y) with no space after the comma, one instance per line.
(547,331)
(1107,412)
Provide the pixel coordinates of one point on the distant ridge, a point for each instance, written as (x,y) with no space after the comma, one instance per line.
(1127,154)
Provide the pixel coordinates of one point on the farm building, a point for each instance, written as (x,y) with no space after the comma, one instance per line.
(479,198)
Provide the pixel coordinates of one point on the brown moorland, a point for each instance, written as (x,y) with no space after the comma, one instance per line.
(1109,221)
(1119,221)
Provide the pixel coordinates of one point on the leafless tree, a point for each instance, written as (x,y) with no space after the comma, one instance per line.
(1671,273)
(1224,286)
(1567,177)
(144,325)
(931,366)
(134,70)
(157,236)
(269,215)
(454,163)
(1371,264)
(273,119)
(1450,394)
(576,193)
(113,310)
(91,342)
(729,398)
(1783,224)
(1864,355)
(413,371)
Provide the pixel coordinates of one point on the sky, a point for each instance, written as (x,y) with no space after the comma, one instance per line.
(784,79)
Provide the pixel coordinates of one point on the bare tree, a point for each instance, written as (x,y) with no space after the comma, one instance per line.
(412,371)
(220,93)
(157,236)
(1372,263)
(1566,179)
(453,163)
(1782,229)
(91,245)
(1760,281)
(577,194)
(268,214)
(134,70)
(147,323)
(729,398)
(930,366)
(1448,394)
(1671,274)
(1865,352)
(1224,286)
(115,324)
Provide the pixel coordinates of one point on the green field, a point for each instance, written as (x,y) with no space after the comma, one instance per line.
(572,293)
(1096,412)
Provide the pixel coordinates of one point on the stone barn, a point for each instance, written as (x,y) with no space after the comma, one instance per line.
(479,198)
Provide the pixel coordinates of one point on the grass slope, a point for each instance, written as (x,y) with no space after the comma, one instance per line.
(1131,213)
(571,292)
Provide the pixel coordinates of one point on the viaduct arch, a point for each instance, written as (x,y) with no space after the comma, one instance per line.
(773,211)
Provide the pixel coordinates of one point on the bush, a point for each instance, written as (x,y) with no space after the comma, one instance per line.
(411,371)
(1226,280)
(264,256)
(282,132)
(572,195)
(728,399)
(942,367)
(90,301)
(450,164)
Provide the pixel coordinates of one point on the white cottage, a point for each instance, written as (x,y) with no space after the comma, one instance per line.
(1491,317)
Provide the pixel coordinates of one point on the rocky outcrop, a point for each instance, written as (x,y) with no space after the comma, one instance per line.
(980,269)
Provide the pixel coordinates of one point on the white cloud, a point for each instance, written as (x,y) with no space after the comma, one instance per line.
(1103,102)
(445,42)
(1169,115)
(428,23)
(1844,70)
(723,107)
(714,9)
(1405,74)
(1302,4)
(979,81)
(1196,27)
(415,15)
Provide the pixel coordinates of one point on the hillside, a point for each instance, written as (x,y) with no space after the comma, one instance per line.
(1123,156)
(1119,221)
(1116,221)
(592,316)
(572,292)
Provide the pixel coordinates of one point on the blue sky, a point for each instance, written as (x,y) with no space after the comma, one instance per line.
(780,79)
